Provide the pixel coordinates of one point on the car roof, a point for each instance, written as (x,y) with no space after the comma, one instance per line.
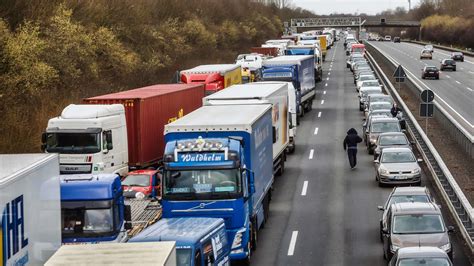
(379,102)
(397,149)
(379,95)
(422,252)
(415,208)
(385,119)
(392,134)
(430,67)
(143,172)
(409,191)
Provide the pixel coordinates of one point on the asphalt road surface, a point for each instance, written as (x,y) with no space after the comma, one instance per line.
(323,213)
(455,88)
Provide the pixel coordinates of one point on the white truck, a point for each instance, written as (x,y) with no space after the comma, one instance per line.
(144,253)
(30,211)
(268,93)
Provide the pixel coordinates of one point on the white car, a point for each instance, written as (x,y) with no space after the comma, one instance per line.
(388,38)
(363,78)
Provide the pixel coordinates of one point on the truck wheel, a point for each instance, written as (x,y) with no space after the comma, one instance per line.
(254,233)
(301,113)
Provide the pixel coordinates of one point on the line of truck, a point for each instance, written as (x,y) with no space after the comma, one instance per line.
(206,147)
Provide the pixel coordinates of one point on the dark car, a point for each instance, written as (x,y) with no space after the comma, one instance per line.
(430,72)
(396,39)
(457,56)
(448,64)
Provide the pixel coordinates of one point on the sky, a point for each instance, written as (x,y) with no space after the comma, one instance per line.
(370,7)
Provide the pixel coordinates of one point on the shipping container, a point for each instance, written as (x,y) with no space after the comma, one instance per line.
(147,111)
(269,51)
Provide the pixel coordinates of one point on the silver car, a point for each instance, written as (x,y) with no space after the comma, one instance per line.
(403,194)
(390,140)
(380,98)
(376,106)
(364,78)
(420,256)
(397,166)
(379,126)
(364,93)
(415,224)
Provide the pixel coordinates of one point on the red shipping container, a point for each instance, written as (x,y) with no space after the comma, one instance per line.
(147,111)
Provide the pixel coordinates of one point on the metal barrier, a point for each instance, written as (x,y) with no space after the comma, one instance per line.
(457,203)
(451,49)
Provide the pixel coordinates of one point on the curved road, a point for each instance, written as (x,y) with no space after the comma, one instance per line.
(321,212)
(456,89)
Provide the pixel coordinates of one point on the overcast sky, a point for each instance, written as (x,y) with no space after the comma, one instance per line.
(371,7)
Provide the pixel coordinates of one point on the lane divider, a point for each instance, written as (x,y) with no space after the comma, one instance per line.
(316,131)
(291,248)
(311,154)
(319,114)
(305,188)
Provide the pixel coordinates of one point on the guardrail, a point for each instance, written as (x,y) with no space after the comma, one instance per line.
(457,203)
(460,129)
(452,49)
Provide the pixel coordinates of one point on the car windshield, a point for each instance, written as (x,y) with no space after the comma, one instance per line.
(380,113)
(426,52)
(136,181)
(87,218)
(358,50)
(380,99)
(73,143)
(183,256)
(407,198)
(367,78)
(370,84)
(417,224)
(380,127)
(393,140)
(212,183)
(424,262)
(398,157)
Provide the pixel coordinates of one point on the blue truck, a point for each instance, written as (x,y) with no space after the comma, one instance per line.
(309,49)
(298,69)
(199,240)
(218,163)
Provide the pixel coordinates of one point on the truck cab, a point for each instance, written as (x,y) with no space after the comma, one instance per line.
(199,241)
(90,139)
(93,209)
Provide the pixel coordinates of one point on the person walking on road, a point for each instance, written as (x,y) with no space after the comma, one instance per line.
(395,109)
(350,144)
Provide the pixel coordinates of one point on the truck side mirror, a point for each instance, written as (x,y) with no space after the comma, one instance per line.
(274,134)
(251,181)
(127,217)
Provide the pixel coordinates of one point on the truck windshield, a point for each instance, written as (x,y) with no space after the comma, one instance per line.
(73,142)
(183,256)
(212,184)
(86,219)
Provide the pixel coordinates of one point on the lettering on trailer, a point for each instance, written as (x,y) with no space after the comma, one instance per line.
(12,233)
(260,135)
(180,114)
(201,157)
(277,75)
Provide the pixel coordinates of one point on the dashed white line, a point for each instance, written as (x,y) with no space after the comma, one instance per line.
(311,154)
(305,188)
(316,131)
(448,76)
(325,85)
(291,248)
(324,92)
(327,78)
(319,114)
(329,73)
(458,82)
(322,102)
(469,89)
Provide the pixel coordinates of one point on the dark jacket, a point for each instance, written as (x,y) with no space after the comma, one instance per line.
(395,111)
(351,139)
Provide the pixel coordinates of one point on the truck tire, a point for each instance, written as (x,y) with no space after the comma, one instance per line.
(254,235)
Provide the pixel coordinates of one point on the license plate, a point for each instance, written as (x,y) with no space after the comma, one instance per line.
(400,177)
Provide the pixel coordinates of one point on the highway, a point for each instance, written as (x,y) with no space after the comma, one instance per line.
(456,89)
(323,213)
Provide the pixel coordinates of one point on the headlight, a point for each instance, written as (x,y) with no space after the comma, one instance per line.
(446,247)
(416,171)
(383,171)
(238,238)
(394,248)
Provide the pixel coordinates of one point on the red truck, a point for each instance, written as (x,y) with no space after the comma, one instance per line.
(214,77)
(142,184)
(268,51)
(147,111)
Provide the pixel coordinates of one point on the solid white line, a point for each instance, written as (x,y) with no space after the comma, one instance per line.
(325,85)
(324,92)
(319,114)
(291,248)
(458,82)
(311,154)
(316,131)
(322,102)
(305,188)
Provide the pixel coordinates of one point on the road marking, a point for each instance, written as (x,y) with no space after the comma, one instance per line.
(322,102)
(458,82)
(325,85)
(311,154)
(329,73)
(291,248)
(319,114)
(471,72)
(469,89)
(462,68)
(327,78)
(305,188)
(316,131)
(448,76)
(324,92)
